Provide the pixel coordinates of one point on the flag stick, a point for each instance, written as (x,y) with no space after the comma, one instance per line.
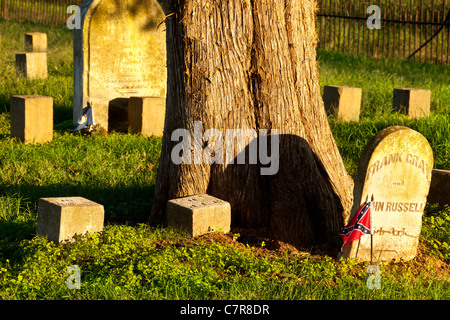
(359,240)
(357,248)
(371,236)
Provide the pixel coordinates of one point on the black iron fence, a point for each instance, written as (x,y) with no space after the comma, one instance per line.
(408,29)
(417,30)
(52,12)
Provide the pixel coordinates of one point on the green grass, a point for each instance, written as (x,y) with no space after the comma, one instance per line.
(132,260)
(377,78)
(58,85)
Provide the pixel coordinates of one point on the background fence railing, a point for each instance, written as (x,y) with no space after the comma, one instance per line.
(52,12)
(415,29)
(406,26)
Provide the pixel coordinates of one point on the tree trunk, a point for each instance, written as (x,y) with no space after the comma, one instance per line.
(251,64)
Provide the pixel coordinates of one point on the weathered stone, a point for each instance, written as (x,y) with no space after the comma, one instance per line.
(32,118)
(114,55)
(415,103)
(60,219)
(395,168)
(146,115)
(32,65)
(199,214)
(440,187)
(343,102)
(118,115)
(35,42)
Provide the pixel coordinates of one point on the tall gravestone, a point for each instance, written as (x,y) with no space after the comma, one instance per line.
(395,168)
(114,56)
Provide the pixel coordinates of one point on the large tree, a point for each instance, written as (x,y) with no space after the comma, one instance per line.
(251,64)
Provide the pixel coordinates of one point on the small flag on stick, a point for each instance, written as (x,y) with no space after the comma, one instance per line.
(359,225)
(86,120)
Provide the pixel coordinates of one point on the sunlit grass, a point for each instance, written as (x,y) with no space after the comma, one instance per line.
(132,260)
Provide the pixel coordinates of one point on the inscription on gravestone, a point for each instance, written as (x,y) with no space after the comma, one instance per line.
(396,169)
(115,55)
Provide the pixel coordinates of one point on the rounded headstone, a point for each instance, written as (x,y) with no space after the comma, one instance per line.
(117,54)
(395,168)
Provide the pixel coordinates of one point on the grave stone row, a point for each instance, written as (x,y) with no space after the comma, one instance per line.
(345,102)
(61,219)
(32,64)
(395,171)
(32,117)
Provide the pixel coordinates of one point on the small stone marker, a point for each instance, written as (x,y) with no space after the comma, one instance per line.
(35,42)
(395,168)
(440,187)
(118,115)
(146,115)
(199,214)
(343,102)
(415,103)
(32,118)
(32,65)
(114,56)
(60,219)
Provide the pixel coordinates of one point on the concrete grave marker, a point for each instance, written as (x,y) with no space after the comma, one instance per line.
(395,168)
(199,214)
(415,103)
(32,65)
(114,56)
(440,187)
(343,102)
(60,219)
(35,42)
(146,115)
(32,118)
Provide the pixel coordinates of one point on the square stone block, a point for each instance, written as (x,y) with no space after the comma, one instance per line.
(440,187)
(32,118)
(60,219)
(343,102)
(118,115)
(32,65)
(415,103)
(146,115)
(35,42)
(199,214)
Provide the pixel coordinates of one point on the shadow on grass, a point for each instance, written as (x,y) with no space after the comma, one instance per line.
(129,206)
(123,205)
(11,235)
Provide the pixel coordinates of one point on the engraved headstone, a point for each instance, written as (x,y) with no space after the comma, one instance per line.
(116,54)
(395,168)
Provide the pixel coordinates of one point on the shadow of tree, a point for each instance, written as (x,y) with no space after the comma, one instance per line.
(151,9)
(124,205)
(11,235)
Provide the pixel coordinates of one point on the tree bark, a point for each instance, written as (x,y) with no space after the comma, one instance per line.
(251,64)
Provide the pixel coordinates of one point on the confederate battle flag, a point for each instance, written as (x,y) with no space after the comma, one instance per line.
(359,225)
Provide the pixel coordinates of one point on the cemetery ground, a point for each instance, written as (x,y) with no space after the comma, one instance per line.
(131,259)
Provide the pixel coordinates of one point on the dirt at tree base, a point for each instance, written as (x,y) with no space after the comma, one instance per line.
(260,244)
